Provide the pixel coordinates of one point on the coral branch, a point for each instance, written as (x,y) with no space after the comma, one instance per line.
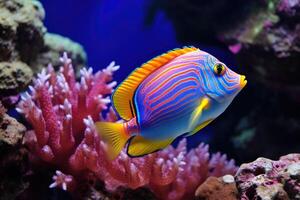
(61,180)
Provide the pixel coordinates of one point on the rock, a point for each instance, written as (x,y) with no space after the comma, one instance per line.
(25,44)
(14,76)
(55,46)
(11,131)
(215,188)
(13,157)
(294,170)
(22,29)
(267,179)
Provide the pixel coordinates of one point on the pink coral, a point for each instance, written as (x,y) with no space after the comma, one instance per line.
(61,180)
(60,109)
(62,113)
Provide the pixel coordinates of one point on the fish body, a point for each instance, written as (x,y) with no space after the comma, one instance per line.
(177,93)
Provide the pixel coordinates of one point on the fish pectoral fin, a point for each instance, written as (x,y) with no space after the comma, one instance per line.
(199,127)
(204,104)
(114,135)
(140,146)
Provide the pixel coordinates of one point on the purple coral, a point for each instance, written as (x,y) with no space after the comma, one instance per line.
(62,113)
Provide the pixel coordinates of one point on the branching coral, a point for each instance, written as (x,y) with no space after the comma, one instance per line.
(57,106)
(62,113)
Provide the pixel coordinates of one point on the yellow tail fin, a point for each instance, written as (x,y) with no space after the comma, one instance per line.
(114,134)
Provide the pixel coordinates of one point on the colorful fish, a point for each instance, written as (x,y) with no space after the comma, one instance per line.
(176,93)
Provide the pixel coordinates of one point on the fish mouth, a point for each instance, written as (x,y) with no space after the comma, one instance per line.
(243,81)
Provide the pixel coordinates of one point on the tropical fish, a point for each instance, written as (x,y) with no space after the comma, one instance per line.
(176,93)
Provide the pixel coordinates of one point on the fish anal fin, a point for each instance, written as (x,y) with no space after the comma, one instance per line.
(124,94)
(199,127)
(140,146)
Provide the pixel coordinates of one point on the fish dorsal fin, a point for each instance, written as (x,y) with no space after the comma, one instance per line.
(123,95)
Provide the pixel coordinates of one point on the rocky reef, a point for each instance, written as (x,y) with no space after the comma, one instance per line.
(54,46)
(14,77)
(263,36)
(261,179)
(25,45)
(13,157)
(268,179)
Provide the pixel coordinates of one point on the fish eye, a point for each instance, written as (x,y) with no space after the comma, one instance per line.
(219,69)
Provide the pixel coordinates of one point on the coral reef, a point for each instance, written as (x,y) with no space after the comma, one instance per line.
(25,45)
(215,188)
(62,112)
(13,158)
(263,36)
(166,171)
(268,179)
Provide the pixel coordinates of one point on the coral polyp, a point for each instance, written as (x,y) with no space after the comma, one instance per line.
(57,106)
(62,113)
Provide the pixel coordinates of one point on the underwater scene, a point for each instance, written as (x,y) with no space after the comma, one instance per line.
(149,100)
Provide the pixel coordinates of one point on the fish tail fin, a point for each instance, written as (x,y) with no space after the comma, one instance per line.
(115,135)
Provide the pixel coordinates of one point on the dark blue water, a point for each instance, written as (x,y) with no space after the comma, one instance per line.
(115,30)
(111,30)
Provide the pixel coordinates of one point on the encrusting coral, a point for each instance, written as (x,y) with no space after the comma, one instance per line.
(62,113)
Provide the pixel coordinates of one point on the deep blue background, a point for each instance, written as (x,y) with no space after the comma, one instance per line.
(115,30)
(110,30)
